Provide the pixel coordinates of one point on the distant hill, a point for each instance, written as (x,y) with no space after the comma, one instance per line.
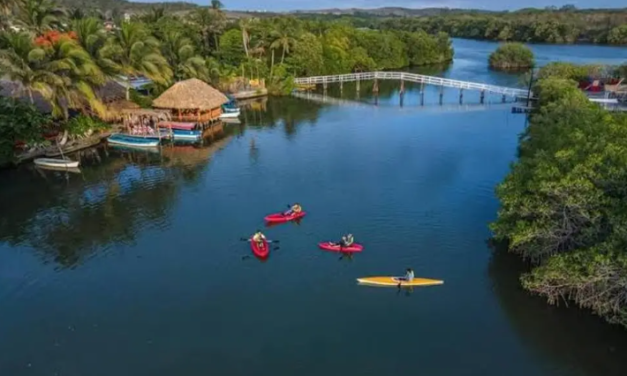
(390,11)
(123,5)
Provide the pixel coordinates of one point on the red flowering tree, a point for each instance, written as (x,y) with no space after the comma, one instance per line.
(51,37)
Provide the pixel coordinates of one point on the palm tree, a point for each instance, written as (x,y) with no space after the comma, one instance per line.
(179,52)
(204,18)
(245,25)
(6,10)
(6,6)
(76,13)
(135,52)
(23,62)
(92,37)
(39,15)
(154,15)
(63,73)
(81,75)
(282,39)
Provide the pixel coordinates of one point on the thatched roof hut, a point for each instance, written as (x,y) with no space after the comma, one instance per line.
(192,94)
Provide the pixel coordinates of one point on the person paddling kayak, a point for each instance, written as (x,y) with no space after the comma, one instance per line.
(347,241)
(409,275)
(259,238)
(295,209)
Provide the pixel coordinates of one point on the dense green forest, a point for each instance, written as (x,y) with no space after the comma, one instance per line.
(565,25)
(563,205)
(67,55)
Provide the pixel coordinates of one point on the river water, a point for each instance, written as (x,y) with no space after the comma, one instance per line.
(135,266)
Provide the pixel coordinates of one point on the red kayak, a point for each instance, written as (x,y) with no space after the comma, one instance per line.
(281,217)
(336,248)
(262,251)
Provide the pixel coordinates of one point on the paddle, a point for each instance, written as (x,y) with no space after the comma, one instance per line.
(269,241)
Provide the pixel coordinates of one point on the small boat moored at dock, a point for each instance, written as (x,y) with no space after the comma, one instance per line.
(133,141)
(179,134)
(56,163)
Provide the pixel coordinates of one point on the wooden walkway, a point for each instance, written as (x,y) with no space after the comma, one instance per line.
(416,78)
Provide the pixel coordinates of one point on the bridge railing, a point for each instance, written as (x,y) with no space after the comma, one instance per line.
(413,77)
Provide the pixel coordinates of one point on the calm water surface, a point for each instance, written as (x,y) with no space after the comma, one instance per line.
(135,266)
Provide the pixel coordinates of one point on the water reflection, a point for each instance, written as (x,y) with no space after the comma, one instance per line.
(119,193)
(548,331)
(288,112)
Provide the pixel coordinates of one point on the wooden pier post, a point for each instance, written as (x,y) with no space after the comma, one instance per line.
(402,92)
(482,98)
(461,96)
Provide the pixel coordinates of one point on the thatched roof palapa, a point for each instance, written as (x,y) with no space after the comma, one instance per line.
(192,94)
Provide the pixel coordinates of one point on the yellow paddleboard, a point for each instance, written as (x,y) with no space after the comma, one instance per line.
(394,282)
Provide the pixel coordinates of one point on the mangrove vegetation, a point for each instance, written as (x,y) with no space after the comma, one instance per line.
(512,56)
(563,205)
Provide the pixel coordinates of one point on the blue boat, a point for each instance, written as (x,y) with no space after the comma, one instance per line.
(133,141)
(230,106)
(181,134)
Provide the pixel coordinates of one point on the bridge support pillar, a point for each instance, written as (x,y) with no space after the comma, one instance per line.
(341,87)
(482,98)
(461,96)
(441,95)
(504,98)
(402,92)
(325,86)
(422,93)
(357,82)
(375,87)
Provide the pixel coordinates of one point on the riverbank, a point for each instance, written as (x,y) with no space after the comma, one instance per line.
(571,170)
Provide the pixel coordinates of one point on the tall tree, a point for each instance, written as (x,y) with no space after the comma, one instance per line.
(81,75)
(282,39)
(180,53)
(92,37)
(39,15)
(24,62)
(135,53)
(245,25)
(205,19)
(6,11)
(154,15)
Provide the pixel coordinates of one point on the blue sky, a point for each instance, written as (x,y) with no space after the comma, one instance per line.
(477,4)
